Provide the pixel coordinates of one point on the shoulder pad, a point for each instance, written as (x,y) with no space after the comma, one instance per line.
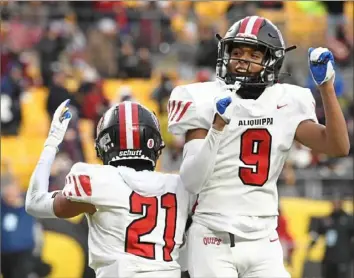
(78,183)
(96,184)
(303,98)
(189,109)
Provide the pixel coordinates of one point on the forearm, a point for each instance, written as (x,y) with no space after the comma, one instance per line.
(199,157)
(336,133)
(39,202)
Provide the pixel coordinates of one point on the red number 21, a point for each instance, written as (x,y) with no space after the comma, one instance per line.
(255,151)
(146,225)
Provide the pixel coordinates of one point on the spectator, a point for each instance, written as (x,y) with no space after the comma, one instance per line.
(338,230)
(12,87)
(125,94)
(128,61)
(339,37)
(76,40)
(72,143)
(101,47)
(49,49)
(92,100)
(154,26)
(83,12)
(144,63)
(335,16)
(93,103)
(240,9)
(171,158)
(8,58)
(272,5)
(17,233)
(61,167)
(162,92)
(121,17)
(207,50)
(58,92)
(22,34)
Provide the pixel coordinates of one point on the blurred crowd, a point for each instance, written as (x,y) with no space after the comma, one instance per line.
(72,48)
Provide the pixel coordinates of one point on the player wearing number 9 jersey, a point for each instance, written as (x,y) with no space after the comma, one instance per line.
(136,216)
(238,132)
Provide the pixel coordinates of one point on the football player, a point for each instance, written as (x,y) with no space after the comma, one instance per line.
(136,216)
(238,131)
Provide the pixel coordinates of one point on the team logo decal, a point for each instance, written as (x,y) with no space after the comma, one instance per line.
(150,143)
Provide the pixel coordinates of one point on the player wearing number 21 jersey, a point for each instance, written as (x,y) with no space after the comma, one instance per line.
(238,132)
(136,216)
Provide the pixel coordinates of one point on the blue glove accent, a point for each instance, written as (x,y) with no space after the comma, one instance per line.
(66,114)
(222,104)
(319,68)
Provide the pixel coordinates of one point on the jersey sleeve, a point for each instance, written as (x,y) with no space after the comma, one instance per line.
(306,107)
(99,185)
(78,184)
(184,113)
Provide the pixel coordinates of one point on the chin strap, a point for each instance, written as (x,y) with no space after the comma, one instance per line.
(233,87)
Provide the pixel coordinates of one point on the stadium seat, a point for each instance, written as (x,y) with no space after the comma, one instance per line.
(35,118)
(86,128)
(21,153)
(304,29)
(211,11)
(141,88)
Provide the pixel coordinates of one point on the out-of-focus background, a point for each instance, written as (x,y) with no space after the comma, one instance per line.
(98,53)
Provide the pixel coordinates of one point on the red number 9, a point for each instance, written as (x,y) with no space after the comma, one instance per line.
(255,151)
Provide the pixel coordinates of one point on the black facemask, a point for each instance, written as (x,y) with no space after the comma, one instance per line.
(245,91)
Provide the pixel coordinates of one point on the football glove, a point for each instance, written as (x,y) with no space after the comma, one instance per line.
(223,102)
(221,105)
(321,62)
(59,125)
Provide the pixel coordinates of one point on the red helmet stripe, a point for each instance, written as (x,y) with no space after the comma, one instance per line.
(135,125)
(257,25)
(122,127)
(244,25)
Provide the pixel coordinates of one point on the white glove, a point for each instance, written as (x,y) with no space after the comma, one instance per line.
(60,122)
(321,62)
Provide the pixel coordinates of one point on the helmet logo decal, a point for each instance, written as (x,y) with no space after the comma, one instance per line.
(130,153)
(104,142)
(246,35)
(150,143)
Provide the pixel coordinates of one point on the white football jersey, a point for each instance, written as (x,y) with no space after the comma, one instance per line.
(140,218)
(241,196)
